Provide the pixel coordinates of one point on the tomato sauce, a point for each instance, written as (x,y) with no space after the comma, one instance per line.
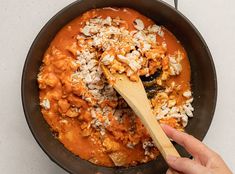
(58,67)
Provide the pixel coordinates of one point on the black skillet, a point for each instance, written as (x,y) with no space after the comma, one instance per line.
(203,76)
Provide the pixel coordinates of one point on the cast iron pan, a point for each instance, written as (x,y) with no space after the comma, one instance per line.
(203,76)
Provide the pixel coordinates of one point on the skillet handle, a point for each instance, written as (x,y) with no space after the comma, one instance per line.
(176,4)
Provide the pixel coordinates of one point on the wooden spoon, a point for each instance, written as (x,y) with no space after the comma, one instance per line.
(135,95)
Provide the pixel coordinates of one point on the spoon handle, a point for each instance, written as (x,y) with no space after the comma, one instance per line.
(159,137)
(135,95)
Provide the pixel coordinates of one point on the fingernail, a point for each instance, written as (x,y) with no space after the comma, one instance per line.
(170,158)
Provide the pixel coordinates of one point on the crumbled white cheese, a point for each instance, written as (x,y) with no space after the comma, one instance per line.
(91,64)
(139,25)
(86,30)
(88,99)
(172,60)
(163,113)
(135,53)
(88,78)
(123,59)
(146,145)
(151,38)
(187,94)
(104,35)
(189,101)
(188,109)
(171,103)
(139,36)
(175,66)
(118,114)
(107,21)
(181,112)
(64,121)
(146,47)
(134,65)
(156,29)
(130,145)
(184,120)
(107,59)
(45,104)
(164,45)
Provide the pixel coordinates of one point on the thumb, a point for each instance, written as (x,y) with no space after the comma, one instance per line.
(185,165)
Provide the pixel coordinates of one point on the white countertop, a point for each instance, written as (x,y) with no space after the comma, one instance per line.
(20,21)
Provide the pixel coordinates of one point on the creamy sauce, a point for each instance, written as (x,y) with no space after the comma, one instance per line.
(70,130)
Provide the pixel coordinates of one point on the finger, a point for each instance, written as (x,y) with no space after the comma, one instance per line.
(191,144)
(185,165)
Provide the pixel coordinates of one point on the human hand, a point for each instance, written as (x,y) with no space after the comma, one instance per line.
(205,161)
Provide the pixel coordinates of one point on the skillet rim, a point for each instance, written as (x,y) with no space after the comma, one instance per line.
(44,28)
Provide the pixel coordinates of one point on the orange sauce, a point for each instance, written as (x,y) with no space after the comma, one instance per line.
(70,129)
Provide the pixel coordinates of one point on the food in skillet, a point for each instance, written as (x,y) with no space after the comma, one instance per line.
(85,113)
